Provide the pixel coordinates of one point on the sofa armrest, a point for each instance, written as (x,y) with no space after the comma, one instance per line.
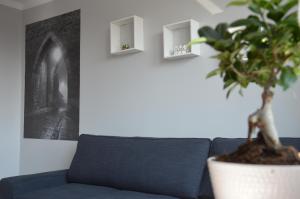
(10,187)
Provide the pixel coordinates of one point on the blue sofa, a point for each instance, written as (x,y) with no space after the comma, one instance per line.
(107,167)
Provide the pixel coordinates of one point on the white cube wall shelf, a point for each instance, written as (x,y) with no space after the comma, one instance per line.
(129,30)
(180,33)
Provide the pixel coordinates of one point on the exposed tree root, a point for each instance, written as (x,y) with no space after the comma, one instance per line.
(257,152)
(263,119)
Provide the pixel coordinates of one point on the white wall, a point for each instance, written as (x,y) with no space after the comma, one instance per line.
(143,94)
(10,90)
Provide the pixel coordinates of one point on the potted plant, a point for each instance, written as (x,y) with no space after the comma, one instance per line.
(262,49)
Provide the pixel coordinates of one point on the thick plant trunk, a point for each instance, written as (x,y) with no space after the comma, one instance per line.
(263,119)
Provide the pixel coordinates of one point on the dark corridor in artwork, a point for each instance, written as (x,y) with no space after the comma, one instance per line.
(52,78)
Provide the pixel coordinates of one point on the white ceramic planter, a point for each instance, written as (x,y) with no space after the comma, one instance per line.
(245,181)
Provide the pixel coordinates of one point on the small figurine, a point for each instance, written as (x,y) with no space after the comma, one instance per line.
(125,46)
(184,49)
(180,50)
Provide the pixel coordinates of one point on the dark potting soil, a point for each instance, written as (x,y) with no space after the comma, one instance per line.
(257,152)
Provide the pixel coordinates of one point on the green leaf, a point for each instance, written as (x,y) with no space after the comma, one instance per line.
(238,3)
(279,12)
(264,4)
(222,29)
(271,44)
(197,41)
(258,39)
(251,23)
(289,4)
(255,8)
(209,33)
(255,36)
(230,90)
(287,77)
(228,83)
(240,22)
(243,82)
(213,73)
(297,71)
(291,21)
(276,2)
(276,15)
(222,45)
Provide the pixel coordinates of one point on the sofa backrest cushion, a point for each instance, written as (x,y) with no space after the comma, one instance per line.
(221,146)
(295,142)
(167,166)
(218,146)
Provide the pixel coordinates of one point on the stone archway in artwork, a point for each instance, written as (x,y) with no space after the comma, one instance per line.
(50,76)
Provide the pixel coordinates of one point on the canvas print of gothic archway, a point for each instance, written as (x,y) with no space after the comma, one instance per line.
(52,78)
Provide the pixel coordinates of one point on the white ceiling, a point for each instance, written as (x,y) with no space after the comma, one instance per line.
(23,4)
(26,4)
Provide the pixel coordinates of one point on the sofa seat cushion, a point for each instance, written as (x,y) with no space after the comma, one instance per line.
(80,191)
(166,166)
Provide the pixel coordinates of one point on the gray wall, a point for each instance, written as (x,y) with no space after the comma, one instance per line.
(10,90)
(143,94)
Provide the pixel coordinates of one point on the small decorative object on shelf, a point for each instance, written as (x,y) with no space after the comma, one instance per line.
(180,50)
(176,38)
(127,35)
(125,46)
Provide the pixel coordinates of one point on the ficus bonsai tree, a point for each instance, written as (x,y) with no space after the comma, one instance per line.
(263,49)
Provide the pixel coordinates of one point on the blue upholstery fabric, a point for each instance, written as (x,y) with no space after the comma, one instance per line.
(225,145)
(10,187)
(169,154)
(80,191)
(219,146)
(171,167)
(295,142)
(228,145)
